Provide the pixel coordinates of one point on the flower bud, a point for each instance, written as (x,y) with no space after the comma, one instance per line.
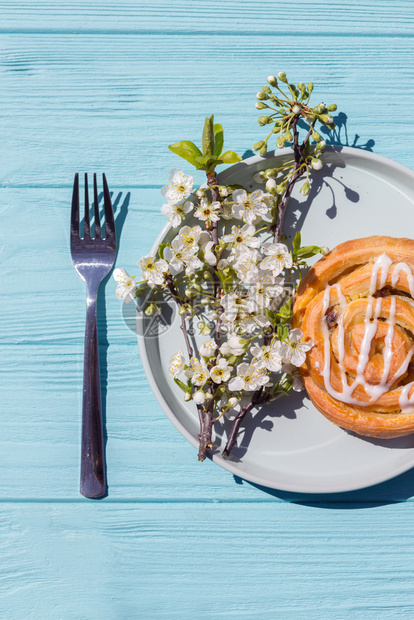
(281,188)
(271,173)
(263,120)
(316,163)
(233,401)
(272,80)
(282,77)
(223,191)
(288,136)
(320,145)
(280,142)
(301,86)
(321,108)
(333,107)
(305,189)
(187,396)
(260,105)
(208,396)
(151,309)
(271,186)
(263,150)
(258,145)
(325,250)
(190,292)
(199,193)
(310,87)
(261,96)
(316,136)
(259,177)
(326,119)
(199,397)
(296,109)
(266,89)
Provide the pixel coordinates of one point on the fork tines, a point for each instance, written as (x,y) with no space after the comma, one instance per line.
(108,211)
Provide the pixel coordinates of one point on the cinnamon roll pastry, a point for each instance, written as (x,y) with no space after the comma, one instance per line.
(356,305)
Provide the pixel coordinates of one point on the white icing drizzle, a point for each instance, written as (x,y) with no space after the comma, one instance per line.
(382,265)
(406,402)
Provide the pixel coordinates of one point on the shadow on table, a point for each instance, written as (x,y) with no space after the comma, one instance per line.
(120,206)
(393,491)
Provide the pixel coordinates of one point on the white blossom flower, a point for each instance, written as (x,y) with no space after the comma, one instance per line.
(268,357)
(221,372)
(246,264)
(199,397)
(293,349)
(226,211)
(208,212)
(296,109)
(249,207)
(126,286)
(179,255)
(175,212)
(153,270)
(176,364)
(242,237)
(233,304)
(277,257)
(197,372)
(249,378)
(223,264)
(180,185)
(251,322)
(233,346)
(297,385)
(265,289)
(192,235)
(208,348)
(209,256)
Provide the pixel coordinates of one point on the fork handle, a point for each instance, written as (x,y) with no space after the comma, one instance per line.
(92,478)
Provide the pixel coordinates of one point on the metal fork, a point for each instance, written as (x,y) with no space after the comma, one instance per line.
(93,259)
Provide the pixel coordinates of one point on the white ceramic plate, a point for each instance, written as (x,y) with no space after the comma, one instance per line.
(289,445)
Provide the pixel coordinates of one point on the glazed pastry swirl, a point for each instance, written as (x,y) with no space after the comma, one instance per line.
(357,306)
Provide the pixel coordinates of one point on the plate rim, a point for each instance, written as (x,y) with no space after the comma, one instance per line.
(217,458)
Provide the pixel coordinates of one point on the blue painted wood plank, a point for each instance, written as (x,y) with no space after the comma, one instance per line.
(73,561)
(189,17)
(68,105)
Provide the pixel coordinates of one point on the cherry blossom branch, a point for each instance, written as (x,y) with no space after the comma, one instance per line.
(297,173)
(206,423)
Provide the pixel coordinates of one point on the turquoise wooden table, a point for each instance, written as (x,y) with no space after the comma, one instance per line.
(100,86)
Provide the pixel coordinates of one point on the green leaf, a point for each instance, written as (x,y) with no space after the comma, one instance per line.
(296,242)
(230,157)
(282,331)
(182,385)
(207,140)
(187,150)
(218,139)
(307,251)
(271,316)
(285,312)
